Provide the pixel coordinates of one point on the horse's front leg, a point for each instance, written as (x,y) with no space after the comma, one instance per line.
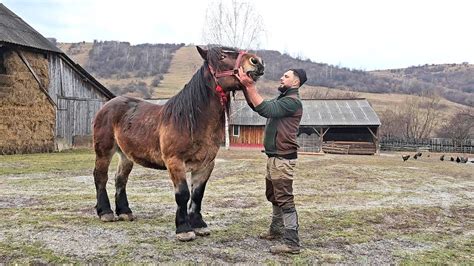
(176,168)
(199,180)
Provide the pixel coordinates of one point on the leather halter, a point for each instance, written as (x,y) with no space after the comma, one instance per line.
(234,72)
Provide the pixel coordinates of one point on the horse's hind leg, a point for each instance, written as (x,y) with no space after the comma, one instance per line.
(121,177)
(199,180)
(102,162)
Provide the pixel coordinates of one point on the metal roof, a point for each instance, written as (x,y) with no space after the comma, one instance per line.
(357,112)
(16,31)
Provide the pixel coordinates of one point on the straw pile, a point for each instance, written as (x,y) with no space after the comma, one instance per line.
(27,118)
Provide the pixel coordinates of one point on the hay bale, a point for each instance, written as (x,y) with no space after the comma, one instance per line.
(27,118)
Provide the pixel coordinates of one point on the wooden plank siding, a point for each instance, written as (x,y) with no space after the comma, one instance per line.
(78,101)
(248,135)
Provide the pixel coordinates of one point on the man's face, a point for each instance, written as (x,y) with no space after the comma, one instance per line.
(289,80)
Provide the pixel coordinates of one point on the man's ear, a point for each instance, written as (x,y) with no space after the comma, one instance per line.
(202,52)
(296,82)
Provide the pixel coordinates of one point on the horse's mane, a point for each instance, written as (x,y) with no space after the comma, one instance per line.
(185,109)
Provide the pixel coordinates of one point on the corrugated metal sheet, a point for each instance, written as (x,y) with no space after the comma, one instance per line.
(16,31)
(315,113)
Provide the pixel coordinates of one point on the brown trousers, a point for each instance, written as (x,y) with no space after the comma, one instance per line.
(279,182)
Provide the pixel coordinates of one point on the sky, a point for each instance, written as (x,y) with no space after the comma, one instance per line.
(357,34)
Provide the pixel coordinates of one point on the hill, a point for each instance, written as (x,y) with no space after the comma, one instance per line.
(160,70)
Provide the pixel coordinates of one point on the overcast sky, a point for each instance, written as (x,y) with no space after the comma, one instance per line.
(361,34)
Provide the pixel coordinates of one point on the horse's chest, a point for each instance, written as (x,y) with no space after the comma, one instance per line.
(202,156)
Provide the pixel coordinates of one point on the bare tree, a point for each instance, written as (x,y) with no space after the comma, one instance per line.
(233,23)
(416,119)
(420,115)
(460,127)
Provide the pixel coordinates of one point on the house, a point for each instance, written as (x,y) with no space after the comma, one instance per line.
(47,102)
(329,125)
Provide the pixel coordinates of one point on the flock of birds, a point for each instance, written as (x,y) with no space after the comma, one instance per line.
(459,159)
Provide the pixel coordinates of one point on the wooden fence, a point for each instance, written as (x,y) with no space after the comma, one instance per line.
(432,145)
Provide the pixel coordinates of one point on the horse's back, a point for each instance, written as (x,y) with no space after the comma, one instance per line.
(122,116)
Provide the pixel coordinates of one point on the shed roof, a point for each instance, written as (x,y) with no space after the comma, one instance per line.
(356,112)
(16,31)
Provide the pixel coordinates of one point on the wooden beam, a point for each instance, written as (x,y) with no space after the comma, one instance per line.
(373,135)
(324,133)
(42,88)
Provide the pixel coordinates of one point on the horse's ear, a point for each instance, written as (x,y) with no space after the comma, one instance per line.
(202,52)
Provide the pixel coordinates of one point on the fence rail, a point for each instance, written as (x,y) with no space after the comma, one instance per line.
(432,145)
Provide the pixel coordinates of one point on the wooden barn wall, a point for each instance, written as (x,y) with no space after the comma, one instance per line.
(77,100)
(249,135)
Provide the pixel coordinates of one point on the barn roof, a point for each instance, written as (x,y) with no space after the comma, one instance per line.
(15,31)
(356,112)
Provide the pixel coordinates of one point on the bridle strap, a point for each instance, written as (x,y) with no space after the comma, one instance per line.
(222,95)
(234,71)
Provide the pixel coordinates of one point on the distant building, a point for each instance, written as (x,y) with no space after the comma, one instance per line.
(47,102)
(331,126)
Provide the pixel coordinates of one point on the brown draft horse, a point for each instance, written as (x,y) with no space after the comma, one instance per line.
(181,136)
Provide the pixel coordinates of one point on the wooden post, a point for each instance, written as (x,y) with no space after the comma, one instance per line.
(375,139)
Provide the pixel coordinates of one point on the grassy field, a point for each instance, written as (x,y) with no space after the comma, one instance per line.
(352,209)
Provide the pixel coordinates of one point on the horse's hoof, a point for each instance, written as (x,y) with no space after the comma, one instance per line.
(128,217)
(186,236)
(204,231)
(108,217)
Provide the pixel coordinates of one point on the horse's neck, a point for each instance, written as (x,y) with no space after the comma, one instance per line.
(215,118)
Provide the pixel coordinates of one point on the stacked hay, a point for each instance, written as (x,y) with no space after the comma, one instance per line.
(27,118)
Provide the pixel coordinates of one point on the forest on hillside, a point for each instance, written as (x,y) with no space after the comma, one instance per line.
(454,82)
(120,60)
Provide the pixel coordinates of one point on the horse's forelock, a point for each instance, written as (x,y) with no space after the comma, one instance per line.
(214,55)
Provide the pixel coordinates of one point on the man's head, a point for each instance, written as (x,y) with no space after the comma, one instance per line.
(293,78)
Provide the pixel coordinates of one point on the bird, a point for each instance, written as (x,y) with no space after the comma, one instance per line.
(458,160)
(415,156)
(441,158)
(452,159)
(464,159)
(428,156)
(405,157)
(419,154)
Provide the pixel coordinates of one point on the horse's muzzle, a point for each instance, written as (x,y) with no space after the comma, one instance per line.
(256,74)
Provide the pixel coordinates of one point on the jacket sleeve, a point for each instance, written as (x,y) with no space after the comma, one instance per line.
(283,107)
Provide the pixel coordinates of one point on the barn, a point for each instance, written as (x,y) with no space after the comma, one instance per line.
(47,102)
(329,125)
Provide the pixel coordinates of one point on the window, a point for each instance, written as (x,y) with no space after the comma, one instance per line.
(236,131)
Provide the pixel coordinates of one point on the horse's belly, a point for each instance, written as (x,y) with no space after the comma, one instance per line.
(150,164)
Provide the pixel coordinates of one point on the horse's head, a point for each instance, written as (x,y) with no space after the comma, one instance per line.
(224,63)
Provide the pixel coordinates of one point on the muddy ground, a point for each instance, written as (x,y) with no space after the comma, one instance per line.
(352,209)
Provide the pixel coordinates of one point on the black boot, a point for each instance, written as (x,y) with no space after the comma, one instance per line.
(291,241)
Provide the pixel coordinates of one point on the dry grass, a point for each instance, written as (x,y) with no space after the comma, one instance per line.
(352,209)
(186,61)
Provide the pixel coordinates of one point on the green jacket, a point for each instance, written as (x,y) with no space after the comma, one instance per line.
(284,115)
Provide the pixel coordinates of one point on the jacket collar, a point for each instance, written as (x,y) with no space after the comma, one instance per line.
(289,91)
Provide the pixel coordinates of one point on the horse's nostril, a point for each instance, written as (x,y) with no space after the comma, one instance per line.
(254,60)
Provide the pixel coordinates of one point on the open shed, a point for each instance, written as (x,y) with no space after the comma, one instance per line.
(329,125)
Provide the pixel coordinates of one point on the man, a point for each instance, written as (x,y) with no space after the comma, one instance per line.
(283,118)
